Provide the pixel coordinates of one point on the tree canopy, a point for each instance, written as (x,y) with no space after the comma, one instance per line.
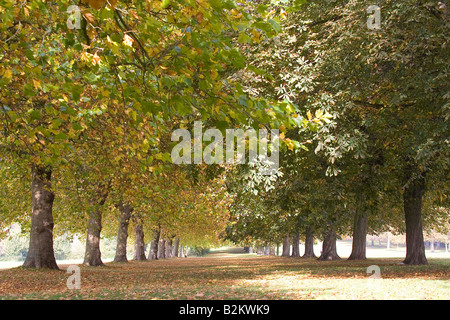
(91,92)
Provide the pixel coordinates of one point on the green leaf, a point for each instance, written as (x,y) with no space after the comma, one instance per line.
(76,92)
(275,25)
(28,90)
(76,126)
(35,114)
(244,38)
(61,136)
(165,4)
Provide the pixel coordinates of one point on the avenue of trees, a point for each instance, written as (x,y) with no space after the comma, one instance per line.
(87,115)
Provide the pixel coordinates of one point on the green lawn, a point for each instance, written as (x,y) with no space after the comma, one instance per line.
(223,275)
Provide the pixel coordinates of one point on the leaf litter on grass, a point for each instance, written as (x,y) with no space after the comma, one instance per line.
(238,278)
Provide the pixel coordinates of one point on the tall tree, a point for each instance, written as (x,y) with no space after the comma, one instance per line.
(154,245)
(40,252)
(93,255)
(122,237)
(139,243)
(286,247)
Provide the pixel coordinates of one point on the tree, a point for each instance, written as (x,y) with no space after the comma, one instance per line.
(286,247)
(309,243)
(400,90)
(371,85)
(40,253)
(122,237)
(153,254)
(159,60)
(139,243)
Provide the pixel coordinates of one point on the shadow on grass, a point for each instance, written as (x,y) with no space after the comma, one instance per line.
(220,275)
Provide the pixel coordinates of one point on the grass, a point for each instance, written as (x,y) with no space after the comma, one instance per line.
(230,275)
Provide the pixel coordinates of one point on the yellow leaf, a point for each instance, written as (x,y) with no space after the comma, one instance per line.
(127,40)
(256,35)
(96,59)
(37,84)
(7,74)
(96,4)
(289,144)
(84,56)
(89,17)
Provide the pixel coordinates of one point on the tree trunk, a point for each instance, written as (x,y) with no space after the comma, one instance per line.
(286,247)
(122,237)
(40,252)
(329,247)
(153,254)
(412,206)
(93,256)
(260,250)
(359,237)
(272,250)
(176,244)
(388,245)
(266,250)
(181,251)
(169,248)
(296,245)
(309,244)
(162,249)
(139,243)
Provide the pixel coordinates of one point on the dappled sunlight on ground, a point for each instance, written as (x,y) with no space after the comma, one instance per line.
(235,275)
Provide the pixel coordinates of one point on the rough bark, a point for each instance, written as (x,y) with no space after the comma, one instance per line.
(329,251)
(309,244)
(286,247)
(271,250)
(296,245)
(169,248)
(181,251)
(176,245)
(93,256)
(139,243)
(260,250)
(359,236)
(40,252)
(122,237)
(153,254)
(412,206)
(161,249)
